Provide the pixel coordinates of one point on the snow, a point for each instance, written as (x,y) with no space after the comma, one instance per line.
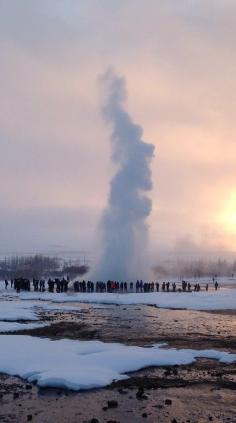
(86,364)
(211,300)
(15,326)
(17,310)
(20,310)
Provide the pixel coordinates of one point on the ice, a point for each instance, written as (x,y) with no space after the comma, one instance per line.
(87,364)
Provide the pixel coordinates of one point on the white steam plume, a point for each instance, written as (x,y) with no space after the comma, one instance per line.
(124,227)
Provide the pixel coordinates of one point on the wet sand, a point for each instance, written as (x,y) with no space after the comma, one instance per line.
(204,391)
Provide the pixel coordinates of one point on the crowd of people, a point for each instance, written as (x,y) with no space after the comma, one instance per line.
(140,286)
(39,285)
(61,285)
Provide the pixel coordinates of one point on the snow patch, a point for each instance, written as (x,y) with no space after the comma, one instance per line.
(15,326)
(87,364)
(17,310)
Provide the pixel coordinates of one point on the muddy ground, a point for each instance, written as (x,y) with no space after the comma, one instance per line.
(202,392)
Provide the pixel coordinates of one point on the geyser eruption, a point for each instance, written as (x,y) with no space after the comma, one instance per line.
(124,227)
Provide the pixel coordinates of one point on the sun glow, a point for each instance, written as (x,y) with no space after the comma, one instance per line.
(227,217)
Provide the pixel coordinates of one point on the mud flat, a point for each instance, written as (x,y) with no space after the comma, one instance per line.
(201,392)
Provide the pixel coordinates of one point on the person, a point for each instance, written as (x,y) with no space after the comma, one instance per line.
(157,286)
(207,287)
(174,286)
(141,286)
(41,285)
(18,285)
(50,285)
(6,283)
(216,285)
(184,285)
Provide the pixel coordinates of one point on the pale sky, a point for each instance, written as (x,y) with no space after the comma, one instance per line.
(179,61)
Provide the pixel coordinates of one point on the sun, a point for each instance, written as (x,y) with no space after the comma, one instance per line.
(227,217)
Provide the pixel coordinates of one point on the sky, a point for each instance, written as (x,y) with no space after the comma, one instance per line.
(179,62)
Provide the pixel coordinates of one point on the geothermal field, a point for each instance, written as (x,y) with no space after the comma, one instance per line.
(118,211)
(118,357)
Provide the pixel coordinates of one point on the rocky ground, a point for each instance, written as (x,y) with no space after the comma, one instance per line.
(201,392)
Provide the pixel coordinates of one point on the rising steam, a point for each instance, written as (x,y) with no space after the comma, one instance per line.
(124,227)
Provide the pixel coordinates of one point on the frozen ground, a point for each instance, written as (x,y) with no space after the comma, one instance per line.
(87,364)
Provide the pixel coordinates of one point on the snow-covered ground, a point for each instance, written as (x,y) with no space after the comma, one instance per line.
(17,310)
(15,326)
(86,364)
(224,298)
(211,300)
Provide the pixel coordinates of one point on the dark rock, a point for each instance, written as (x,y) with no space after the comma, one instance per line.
(174,421)
(144,415)
(168,401)
(29,417)
(16,395)
(93,420)
(210,418)
(140,394)
(112,404)
(28,386)
(122,391)
(104,408)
